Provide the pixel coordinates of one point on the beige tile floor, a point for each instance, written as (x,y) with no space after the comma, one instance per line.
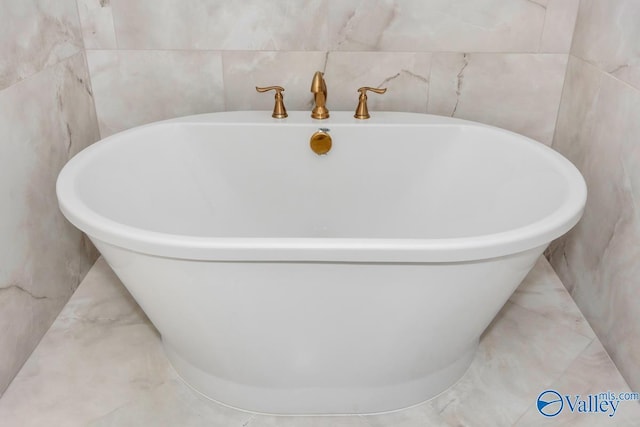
(101,364)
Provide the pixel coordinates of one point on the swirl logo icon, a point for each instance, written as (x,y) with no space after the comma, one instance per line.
(550,403)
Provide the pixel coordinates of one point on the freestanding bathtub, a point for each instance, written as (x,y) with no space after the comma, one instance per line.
(354,282)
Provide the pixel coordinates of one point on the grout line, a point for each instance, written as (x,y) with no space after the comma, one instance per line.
(93,93)
(429,81)
(544,25)
(113,23)
(80,25)
(562,98)
(224,80)
(575,26)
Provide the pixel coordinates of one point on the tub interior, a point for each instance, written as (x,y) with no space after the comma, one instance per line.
(378,181)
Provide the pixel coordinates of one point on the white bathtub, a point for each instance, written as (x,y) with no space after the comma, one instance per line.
(286,282)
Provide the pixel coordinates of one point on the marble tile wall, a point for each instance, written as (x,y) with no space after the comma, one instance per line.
(155,59)
(599,130)
(46,116)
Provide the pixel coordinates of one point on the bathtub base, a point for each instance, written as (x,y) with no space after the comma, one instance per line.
(320,401)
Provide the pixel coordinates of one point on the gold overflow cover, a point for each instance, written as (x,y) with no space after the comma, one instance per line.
(320,142)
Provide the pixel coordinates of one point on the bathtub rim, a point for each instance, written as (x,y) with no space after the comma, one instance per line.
(320,249)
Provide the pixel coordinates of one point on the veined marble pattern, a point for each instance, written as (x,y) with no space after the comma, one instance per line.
(101,364)
(518,92)
(137,87)
(222,25)
(599,130)
(607,34)
(35,34)
(352,25)
(405,75)
(453,26)
(44,120)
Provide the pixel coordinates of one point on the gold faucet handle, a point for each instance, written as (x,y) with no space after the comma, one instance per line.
(362,112)
(279,112)
(379,91)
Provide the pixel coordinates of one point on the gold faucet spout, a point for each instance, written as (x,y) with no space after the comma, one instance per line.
(319,90)
(318,84)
